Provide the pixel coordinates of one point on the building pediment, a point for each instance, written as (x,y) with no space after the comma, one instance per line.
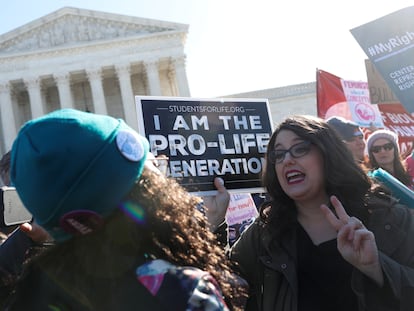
(71,26)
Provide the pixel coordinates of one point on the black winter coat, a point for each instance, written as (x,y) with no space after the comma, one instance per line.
(269,266)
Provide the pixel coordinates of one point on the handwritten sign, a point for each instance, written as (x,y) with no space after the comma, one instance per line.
(241,208)
(362,111)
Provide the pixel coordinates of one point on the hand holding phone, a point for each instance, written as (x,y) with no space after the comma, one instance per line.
(13,210)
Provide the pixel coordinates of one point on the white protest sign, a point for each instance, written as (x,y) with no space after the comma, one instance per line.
(362,111)
(241,208)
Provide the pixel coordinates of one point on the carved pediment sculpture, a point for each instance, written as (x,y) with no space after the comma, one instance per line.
(71,26)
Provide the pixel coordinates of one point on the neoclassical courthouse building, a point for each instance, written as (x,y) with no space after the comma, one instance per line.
(98,62)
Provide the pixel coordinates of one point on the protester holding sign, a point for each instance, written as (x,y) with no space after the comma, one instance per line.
(329,238)
(127,237)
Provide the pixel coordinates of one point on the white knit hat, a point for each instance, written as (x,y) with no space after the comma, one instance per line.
(387,134)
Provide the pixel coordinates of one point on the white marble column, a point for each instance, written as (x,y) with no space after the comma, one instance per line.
(35,96)
(153,77)
(173,82)
(65,93)
(123,72)
(7,116)
(181,76)
(98,95)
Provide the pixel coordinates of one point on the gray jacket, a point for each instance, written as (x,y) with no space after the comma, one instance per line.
(270,269)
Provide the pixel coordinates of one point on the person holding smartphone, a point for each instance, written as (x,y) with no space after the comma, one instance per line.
(21,239)
(126,236)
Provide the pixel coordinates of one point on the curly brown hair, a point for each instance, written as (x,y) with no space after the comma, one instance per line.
(169,227)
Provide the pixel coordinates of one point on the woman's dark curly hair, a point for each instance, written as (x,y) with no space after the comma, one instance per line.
(169,227)
(344,177)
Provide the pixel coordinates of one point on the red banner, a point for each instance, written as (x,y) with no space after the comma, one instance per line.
(328,92)
(395,117)
(398,120)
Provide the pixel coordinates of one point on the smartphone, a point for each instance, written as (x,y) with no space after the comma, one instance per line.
(14,212)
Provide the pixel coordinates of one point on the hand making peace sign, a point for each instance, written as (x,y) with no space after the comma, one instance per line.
(356,243)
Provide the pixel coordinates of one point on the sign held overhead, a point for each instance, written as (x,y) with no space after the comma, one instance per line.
(389,44)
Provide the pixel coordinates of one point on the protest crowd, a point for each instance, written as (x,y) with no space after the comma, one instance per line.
(110,231)
(216,209)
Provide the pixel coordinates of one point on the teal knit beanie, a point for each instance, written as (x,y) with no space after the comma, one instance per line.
(72,168)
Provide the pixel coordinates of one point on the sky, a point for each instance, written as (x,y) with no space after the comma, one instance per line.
(237,46)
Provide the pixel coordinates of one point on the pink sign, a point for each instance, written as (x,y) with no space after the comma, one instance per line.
(241,208)
(362,111)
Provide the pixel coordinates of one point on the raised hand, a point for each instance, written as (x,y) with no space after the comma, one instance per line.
(356,243)
(35,232)
(216,206)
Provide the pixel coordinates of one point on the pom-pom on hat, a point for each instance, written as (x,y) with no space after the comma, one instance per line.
(345,128)
(72,168)
(387,134)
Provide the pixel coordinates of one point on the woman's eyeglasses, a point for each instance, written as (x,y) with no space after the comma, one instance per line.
(296,151)
(386,147)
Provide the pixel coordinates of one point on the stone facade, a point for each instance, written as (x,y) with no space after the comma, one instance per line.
(88,60)
(287,100)
(98,62)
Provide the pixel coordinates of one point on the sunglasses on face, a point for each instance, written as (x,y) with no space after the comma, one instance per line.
(296,151)
(386,147)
